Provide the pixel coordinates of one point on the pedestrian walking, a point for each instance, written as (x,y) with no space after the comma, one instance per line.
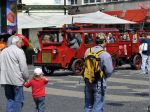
(145,53)
(13,73)
(95,91)
(38,83)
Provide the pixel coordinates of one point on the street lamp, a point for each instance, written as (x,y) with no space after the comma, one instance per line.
(65,8)
(20,5)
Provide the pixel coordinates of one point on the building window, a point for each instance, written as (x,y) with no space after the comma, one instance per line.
(98,0)
(92,1)
(108,0)
(86,1)
(73,2)
(115,0)
(57,1)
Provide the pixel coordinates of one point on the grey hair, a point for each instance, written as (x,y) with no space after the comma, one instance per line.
(16,40)
(9,41)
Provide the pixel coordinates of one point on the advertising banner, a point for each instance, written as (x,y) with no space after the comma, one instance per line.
(0,16)
(11,16)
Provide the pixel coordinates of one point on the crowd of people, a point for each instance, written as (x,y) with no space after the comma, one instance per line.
(14,75)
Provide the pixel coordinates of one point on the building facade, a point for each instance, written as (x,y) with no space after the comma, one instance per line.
(83,2)
(41,8)
(46,6)
(85,6)
(133,10)
(45,2)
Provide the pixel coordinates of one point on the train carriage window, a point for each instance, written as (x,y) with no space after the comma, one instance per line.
(134,40)
(101,35)
(78,36)
(60,36)
(46,39)
(111,38)
(74,40)
(125,37)
(52,37)
(89,38)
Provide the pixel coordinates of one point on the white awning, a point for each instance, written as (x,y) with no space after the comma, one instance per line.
(99,18)
(37,21)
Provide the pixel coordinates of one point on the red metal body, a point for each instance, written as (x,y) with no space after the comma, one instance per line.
(56,53)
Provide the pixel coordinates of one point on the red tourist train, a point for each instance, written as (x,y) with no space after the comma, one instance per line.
(57,50)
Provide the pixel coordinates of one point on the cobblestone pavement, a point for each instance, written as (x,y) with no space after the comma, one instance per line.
(127,92)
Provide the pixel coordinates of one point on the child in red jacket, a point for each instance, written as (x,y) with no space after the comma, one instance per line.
(38,83)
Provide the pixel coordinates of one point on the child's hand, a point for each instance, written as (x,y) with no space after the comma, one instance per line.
(27,84)
(26,80)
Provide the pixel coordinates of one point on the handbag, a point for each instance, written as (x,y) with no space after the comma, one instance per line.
(144,46)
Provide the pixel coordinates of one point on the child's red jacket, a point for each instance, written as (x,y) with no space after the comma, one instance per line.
(38,86)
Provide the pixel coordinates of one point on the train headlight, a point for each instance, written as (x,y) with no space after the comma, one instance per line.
(36,50)
(55,51)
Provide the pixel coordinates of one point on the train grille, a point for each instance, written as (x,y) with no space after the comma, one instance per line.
(46,57)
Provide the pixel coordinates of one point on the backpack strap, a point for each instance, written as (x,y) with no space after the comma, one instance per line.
(98,53)
(90,51)
(98,59)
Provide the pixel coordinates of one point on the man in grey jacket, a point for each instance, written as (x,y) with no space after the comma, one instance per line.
(13,73)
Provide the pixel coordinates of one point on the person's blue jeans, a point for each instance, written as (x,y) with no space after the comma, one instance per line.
(94,97)
(144,63)
(40,104)
(15,98)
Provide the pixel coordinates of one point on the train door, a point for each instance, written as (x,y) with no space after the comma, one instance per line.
(125,45)
(135,43)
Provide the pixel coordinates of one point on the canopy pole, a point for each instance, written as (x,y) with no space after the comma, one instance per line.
(72,19)
(143,25)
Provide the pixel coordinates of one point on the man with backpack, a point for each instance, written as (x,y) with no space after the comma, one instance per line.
(98,67)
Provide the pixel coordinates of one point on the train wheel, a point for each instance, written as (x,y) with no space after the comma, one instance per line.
(47,71)
(77,66)
(137,61)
